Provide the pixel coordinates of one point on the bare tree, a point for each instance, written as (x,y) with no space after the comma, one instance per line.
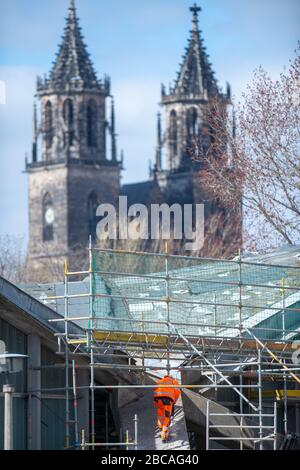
(16,267)
(13,259)
(219,227)
(254,158)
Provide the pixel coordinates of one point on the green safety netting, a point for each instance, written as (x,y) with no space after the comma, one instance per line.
(206,296)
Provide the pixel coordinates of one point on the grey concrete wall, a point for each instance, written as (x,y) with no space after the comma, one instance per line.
(34,383)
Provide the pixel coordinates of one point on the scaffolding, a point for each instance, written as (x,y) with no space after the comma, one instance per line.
(232,322)
(241,425)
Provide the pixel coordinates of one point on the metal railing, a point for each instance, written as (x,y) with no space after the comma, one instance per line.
(248,435)
(127,444)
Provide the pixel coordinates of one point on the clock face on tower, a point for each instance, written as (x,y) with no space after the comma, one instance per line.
(49,216)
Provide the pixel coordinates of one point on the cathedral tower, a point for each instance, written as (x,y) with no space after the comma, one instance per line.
(185,103)
(186,106)
(70,173)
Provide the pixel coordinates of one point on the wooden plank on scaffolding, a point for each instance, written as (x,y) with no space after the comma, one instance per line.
(124,337)
(161,341)
(77,341)
(279,394)
(233,344)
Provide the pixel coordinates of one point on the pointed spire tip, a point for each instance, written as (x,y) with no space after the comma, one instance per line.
(195,9)
(72,11)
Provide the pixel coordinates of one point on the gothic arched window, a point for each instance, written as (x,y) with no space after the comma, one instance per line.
(173,132)
(191,123)
(91,122)
(68,115)
(48,125)
(93,203)
(48,218)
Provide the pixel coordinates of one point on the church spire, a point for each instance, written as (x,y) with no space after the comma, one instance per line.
(195,77)
(186,102)
(195,9)
(72,13)
(72,67)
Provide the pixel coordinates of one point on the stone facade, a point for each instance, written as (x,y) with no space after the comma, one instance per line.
(82,103)
(52,181)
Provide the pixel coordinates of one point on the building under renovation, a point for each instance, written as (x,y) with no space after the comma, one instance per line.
(227,330)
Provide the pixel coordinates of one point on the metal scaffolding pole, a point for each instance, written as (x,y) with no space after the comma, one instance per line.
(207,425)
(285,403)
(167,303)
(218,372)
(275,426)
(66,304)
(75,401)
(136,421)
(91,343)
(274,356)
(260,399)
(240,325)
(215,316)
(143,386)
(157,322)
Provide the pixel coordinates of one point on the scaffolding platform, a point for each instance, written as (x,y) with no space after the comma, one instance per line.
(156,341)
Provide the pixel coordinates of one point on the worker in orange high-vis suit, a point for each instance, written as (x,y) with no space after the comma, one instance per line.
(164,399)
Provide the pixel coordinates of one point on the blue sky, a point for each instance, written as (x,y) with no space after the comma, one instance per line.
(139,43)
